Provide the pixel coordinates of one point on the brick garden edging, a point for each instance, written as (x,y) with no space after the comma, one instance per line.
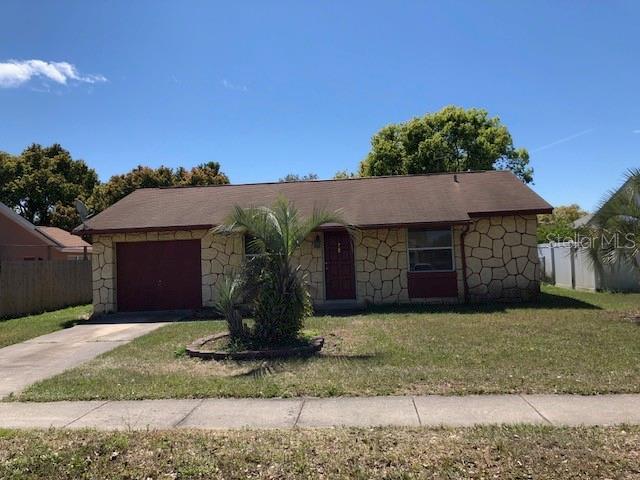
(195,349)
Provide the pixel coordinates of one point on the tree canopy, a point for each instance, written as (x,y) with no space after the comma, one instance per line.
(42,182)
(558,226)
(344,175)
(294,177)
(120,186)
(453,139)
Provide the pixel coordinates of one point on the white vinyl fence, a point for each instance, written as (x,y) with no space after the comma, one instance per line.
(570,267)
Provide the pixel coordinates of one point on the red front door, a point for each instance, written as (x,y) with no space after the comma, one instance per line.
(162,275)
(339,270)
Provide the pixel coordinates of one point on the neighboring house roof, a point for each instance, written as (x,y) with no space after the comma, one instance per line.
(364,202)
(48,236)
(65,240)
(23,223)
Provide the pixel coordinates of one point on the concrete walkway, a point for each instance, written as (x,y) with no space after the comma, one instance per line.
(28,362)
(434,410)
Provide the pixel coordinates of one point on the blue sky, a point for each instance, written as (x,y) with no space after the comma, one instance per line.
(268,88)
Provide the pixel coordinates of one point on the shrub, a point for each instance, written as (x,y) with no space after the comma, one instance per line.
(275,287)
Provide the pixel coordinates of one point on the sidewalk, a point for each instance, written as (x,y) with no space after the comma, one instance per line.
(221,413)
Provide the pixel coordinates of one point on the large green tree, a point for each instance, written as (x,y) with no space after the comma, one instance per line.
(42,182)
(120,186)
(453,139)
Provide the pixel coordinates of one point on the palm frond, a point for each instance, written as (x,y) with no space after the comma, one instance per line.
(617,225)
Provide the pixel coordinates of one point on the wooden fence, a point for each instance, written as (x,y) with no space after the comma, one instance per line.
(35,286)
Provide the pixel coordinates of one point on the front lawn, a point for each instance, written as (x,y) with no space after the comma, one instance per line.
(570,342)
(482,452)
(18,330)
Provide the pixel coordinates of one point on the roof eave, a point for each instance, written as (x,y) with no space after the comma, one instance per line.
(498,213)
(111,231)
(108,231)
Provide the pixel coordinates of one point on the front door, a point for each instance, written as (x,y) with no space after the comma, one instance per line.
(339,269)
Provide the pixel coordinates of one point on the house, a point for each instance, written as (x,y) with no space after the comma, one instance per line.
(437,238)
(21,240)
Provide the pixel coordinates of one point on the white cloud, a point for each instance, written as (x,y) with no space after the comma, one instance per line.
(233,86)
(637,131)
(14,73)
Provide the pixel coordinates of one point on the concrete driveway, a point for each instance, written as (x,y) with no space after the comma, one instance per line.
(25,363)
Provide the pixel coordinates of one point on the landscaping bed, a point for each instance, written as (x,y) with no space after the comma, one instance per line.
(219,347)
(572,342)
(482,452)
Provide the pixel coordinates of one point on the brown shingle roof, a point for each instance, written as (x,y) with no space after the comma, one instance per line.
(399,200)
(64,239)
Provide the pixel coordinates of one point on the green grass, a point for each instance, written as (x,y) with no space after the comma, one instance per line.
(571,342)
(516,452)
(18,330)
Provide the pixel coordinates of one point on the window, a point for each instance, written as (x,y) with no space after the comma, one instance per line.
(430,251)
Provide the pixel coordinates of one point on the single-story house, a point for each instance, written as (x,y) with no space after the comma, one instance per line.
(22,240)
(419,238)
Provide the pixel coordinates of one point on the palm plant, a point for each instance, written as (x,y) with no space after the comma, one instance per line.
(281,298)
(229,298)
(616,225)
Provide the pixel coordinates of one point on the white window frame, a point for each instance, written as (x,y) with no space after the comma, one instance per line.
(452,248)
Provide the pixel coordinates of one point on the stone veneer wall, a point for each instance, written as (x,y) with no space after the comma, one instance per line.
(311,261)
(381,265)
(502,262)
(502,258)
(103,274)
(220,254)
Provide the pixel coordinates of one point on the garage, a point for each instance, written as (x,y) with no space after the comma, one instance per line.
(158,275)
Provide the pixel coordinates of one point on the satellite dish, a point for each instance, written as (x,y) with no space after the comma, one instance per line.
(81,209)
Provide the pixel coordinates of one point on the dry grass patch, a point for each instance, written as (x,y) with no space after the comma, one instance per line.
(484,452)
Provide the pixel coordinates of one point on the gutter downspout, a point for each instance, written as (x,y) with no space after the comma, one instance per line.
(464,262)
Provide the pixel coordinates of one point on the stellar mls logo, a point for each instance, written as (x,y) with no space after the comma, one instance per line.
(605,240)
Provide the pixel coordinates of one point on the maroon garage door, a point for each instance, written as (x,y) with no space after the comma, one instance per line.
(158,275)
